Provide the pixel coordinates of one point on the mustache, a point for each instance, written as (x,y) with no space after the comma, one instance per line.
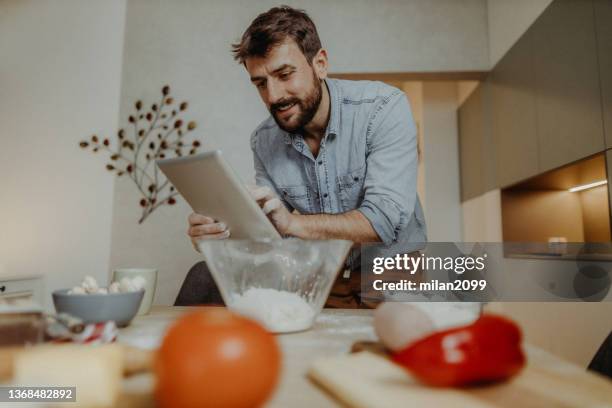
(283,102)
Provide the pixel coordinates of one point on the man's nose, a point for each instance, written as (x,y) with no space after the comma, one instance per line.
(275,92)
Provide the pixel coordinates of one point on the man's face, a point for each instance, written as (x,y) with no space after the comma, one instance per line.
(288,85)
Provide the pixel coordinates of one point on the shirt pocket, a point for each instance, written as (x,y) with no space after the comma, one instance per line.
(299,197)
(350,188)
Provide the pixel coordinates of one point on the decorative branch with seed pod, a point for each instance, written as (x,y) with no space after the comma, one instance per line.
(155,134)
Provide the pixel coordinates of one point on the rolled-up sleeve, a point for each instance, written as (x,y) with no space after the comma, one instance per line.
(390,184)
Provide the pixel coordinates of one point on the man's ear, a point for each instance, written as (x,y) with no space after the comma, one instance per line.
(319,63)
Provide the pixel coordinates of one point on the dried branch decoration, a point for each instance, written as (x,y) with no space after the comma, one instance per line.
(155,134)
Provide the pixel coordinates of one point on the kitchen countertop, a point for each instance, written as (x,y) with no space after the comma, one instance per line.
(334,332)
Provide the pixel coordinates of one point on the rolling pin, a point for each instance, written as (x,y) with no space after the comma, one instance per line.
(135,360)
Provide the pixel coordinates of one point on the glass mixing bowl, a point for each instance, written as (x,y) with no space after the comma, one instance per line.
(281,283)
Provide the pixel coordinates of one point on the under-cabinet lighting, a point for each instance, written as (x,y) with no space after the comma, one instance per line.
(587,186)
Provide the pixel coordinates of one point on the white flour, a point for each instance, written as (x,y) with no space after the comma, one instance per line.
(279,311)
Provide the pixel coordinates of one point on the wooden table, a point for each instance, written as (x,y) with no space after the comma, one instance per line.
(334,332)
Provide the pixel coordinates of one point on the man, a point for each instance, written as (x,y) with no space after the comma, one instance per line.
(336,159)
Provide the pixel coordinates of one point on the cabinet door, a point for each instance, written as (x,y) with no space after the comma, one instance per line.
(514,113)
(475,145)
(609,168)
(470,145)
(489,153)
(569,119)
(603,24)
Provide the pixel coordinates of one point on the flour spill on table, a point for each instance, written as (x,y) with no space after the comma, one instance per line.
(279,311)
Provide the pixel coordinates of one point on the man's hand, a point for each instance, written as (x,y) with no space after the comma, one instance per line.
(203,227)
(352,225)
(273,207)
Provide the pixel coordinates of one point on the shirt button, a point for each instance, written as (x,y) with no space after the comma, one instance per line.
(325,195)
(320,162)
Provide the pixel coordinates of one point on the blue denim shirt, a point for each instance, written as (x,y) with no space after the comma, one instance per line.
(367,161)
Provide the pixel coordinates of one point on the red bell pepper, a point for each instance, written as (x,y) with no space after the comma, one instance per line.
(485,351)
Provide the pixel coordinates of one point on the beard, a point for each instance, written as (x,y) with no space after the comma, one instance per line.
(308,107)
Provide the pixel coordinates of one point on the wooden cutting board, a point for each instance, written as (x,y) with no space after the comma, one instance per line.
(367,380)
(135,360)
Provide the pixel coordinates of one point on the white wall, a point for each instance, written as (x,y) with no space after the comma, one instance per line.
(60,71)
(187,45)
(508,20)
(441,159)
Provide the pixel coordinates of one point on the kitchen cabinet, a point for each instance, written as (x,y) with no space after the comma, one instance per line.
(470,149)
(514,113)
(609,168)
(603,29)
(568,102)
(476,151)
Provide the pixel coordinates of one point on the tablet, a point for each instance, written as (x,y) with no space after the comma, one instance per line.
(212,188)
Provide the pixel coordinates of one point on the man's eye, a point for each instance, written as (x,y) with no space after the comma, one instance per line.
(285,75)
(260,85)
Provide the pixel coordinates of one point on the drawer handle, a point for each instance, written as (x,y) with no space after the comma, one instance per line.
(2,288)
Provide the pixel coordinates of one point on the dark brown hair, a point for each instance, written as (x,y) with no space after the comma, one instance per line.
(272,28)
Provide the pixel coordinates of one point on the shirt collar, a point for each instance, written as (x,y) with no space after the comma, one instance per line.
(334,107)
